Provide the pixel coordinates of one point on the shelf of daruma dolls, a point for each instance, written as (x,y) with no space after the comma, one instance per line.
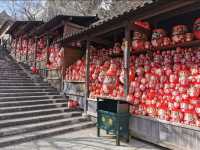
(190,44)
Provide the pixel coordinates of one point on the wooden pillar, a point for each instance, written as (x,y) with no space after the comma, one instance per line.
(35,53)
(62,68)
(27,51)
(126,58)
(47,55)
(16,47)
(87,73)
(20,49)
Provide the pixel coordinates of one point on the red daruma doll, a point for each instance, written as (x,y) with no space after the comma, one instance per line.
(196,28)
(110,80)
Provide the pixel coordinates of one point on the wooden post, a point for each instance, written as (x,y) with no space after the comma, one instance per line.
(47,55)
(87,69)
(126,58)
(27,51)
(62,68)
(16,47)
(20,49)
(35,53)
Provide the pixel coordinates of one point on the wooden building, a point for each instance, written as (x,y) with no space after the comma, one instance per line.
(79,37)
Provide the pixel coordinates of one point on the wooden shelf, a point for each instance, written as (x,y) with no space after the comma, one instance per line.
(168,122)
(91,99)
(112,98)
(74,94)
(53,78)
(53,69)
(195,43)
(73,81)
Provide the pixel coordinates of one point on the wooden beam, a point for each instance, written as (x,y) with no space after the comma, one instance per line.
(56,27)
(108,28)
(101,41)
(176,12)
(146,13)
(73,25)
(94,33)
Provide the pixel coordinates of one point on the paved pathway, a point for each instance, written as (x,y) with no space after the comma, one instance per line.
(82,140)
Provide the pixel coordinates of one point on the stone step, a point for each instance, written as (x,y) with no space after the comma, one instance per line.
(14,109)
(25,84)
(25,87)
(28,94)
(10,131)
(25,90)
(31,102)
(13,73)
(14,78)
(10,68)
(12,140)
(34,98)
(31,113)
(36,119)
(16,81)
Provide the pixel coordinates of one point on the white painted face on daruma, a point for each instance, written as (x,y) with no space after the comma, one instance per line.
(101,76)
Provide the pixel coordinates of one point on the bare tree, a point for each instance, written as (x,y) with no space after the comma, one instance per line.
(104,8)
(47,9)
(25,9)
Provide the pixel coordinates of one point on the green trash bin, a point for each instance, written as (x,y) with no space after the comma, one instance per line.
(113,117)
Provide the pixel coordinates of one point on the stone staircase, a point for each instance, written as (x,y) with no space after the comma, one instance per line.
(30,109)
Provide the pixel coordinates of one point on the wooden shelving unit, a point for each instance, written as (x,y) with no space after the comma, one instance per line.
(190,44)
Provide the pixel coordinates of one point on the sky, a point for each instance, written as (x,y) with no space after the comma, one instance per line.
(3,5)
